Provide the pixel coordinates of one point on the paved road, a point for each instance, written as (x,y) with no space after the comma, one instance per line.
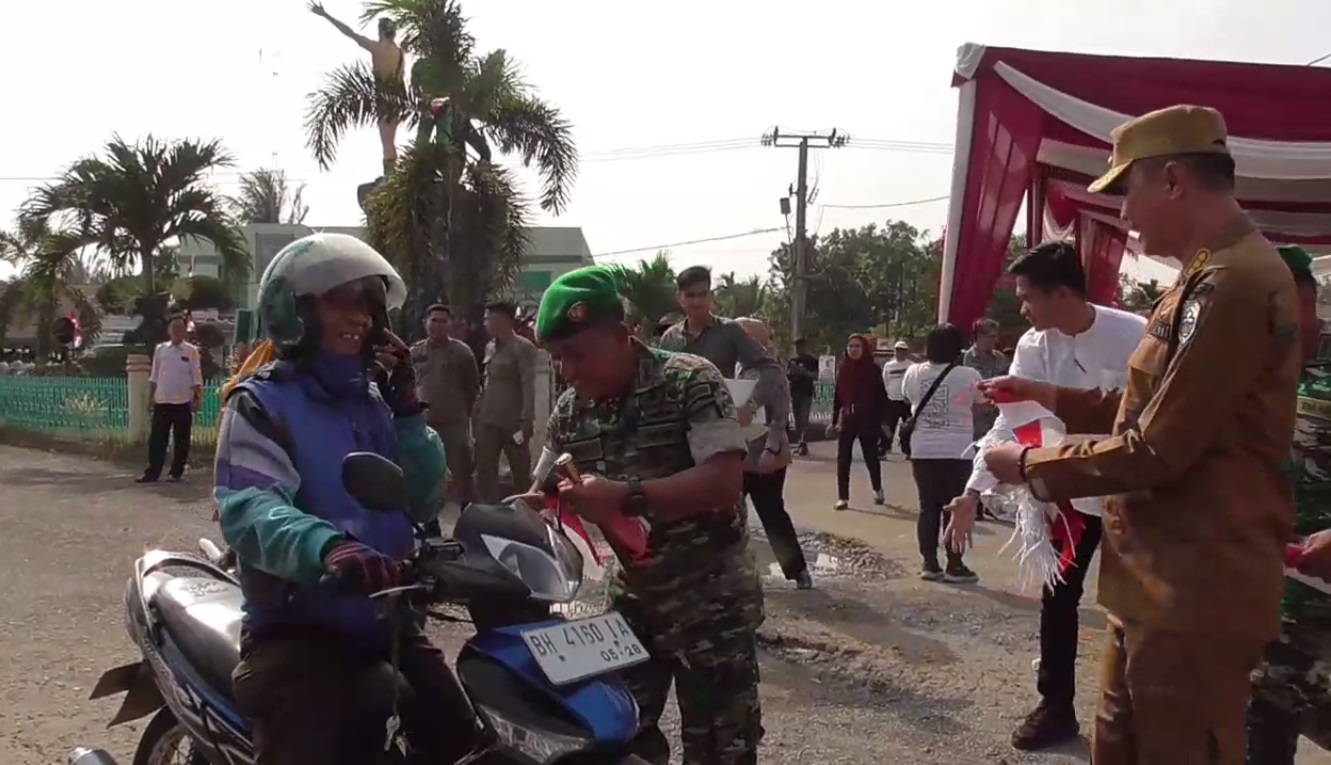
(872,666)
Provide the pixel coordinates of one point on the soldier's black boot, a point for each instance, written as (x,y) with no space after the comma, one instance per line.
(1045,727)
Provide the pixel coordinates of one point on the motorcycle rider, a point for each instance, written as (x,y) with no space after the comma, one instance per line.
(310,656)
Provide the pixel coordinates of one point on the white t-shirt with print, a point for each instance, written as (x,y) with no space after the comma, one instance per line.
(943,427)
(893,372)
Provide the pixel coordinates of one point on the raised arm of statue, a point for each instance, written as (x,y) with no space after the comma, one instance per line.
(317,9)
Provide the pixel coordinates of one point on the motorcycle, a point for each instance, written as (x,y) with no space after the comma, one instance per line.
(545,690)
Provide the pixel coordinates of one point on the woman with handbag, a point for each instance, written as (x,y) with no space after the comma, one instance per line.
(942,394)
(858,407)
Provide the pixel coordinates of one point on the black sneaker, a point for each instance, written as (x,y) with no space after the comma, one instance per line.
(931,571)
(146,479)
(803,581)
(1045,727)
(957,573)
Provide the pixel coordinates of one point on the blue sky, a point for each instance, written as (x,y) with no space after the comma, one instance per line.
(627,75)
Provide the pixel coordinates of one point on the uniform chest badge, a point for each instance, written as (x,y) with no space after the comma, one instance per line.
(1192,310)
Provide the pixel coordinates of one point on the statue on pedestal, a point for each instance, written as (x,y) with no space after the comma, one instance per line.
(389,64)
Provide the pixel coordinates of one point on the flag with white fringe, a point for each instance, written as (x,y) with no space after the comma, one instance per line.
(1046,533)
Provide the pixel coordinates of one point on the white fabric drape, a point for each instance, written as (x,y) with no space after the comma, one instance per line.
(1254,158)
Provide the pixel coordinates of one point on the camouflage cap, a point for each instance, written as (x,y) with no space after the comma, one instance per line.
(1163,133)
(1297,258)
(578,298)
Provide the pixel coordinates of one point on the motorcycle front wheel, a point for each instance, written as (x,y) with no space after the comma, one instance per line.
(166,742)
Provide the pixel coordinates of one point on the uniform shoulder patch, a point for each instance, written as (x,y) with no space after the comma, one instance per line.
(1187,323)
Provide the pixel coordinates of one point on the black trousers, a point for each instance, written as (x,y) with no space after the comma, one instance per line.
(937,482)
(896,412)
(801,405)
(1059,622)
(315,701)
(869,435)
(171,421)
(767,490)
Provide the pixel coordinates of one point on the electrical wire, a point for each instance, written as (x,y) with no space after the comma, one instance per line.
(1319,59)
(672,245)
(889,204)
(625,153)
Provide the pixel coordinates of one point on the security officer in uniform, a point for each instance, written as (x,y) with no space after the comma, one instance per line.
(656,438)
(1200,509)
(449,385)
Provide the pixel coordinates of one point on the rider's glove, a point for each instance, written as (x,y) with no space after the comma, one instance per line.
(354,567)
(398,387)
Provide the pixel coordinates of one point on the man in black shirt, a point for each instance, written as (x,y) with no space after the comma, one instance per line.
(802,371)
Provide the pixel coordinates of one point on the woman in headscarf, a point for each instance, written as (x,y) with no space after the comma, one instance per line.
(858,407)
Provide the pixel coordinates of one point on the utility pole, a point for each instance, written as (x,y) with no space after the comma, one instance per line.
(803,142)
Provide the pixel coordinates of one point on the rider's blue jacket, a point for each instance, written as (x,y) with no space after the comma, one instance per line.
(280,496)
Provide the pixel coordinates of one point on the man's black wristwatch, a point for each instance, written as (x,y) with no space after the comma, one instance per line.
(635,506)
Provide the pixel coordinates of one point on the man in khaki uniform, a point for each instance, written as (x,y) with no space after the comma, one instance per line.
(449,384)
(505,417)
(1199,510)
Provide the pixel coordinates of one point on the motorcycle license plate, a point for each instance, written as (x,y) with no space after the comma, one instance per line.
(577,650)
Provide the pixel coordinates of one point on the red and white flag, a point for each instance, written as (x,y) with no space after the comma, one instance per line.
(1048,532)
(594,563)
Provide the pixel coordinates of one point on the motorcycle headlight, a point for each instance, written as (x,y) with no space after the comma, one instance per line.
(554,578)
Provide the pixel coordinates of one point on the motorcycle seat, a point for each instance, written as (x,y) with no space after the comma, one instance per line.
(202,615)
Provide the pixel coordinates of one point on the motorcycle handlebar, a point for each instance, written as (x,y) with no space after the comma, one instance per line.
(410,572)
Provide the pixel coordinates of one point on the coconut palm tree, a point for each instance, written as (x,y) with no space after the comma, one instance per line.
(49,268)
(650,289)
(735,297)
(466,108)
(266,196)
(134,201)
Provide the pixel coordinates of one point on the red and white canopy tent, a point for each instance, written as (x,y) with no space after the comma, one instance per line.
(1034,127)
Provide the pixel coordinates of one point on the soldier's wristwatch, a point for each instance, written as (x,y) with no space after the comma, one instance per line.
(635,505)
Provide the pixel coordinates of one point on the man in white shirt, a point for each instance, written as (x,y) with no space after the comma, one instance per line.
(1071,343)
(176,389)
(897,407)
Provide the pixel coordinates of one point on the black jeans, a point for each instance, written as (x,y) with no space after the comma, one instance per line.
(868,434)
(1059,621)
(767,492)
(938,482)
(315,701)
(896,412)
(801,405)
(171,421)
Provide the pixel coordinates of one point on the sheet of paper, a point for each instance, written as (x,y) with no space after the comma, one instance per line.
(741,390)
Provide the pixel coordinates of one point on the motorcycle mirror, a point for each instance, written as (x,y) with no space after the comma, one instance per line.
(375,482)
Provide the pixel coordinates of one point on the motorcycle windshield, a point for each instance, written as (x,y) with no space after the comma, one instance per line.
(553,574)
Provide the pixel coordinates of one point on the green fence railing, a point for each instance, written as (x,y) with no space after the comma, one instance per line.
(85,407)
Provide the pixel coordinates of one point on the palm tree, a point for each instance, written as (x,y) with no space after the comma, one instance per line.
(266,196)
(650,289)
(735,298)
(133,202)
(49,266)
(466,108)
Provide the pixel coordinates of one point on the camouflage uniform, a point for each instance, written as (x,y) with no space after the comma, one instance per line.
(1291,692)
(696,599)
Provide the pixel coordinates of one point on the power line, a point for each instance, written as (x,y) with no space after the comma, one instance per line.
(889,204)
(657,247)
(1319,59)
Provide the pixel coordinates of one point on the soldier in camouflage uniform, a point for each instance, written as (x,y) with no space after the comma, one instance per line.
(1291,692)
(656,438)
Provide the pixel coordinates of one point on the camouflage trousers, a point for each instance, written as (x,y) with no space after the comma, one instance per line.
(1291,696)
(715,674)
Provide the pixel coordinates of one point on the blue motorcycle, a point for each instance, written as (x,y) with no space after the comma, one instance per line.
(544,689)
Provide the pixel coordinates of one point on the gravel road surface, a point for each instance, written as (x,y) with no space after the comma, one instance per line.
(872,666)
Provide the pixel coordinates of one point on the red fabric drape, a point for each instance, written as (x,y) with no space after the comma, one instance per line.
(1101,247)
(1006,136)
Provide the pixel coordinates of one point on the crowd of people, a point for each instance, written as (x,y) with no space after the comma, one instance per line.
(1177,469)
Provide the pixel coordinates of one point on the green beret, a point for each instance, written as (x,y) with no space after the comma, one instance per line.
(578,298)
(1297,258)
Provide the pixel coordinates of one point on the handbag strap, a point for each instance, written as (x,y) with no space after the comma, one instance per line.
(932,388)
